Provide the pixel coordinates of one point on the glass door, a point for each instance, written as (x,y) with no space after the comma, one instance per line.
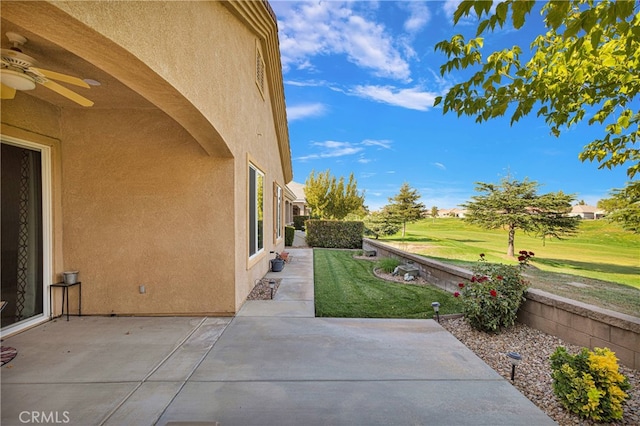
(21,234)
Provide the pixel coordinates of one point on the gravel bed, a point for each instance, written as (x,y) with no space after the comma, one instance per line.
(533,375)
(262,291)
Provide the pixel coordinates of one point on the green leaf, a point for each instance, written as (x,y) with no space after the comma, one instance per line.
(501,12)
(437,101)
(462,10)
(482,26)
(596,35)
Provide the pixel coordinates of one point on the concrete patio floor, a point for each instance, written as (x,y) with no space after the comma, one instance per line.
(272,364)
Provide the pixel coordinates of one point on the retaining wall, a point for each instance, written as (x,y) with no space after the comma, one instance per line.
(574,322)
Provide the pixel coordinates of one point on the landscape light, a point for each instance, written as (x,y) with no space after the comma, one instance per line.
(515,359)
(272,285)
(436,309)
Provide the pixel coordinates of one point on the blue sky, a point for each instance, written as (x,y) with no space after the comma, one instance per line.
(360,80)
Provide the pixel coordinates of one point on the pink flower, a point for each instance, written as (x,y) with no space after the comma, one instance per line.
(461,285)
(456,294)
(493,293)
(499,277)
(521,258)
(531,253)
(473,279)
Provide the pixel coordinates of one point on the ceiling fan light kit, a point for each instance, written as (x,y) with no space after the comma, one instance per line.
(19,72)
(16,80)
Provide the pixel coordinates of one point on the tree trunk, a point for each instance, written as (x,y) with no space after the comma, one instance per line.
(404,228)
(512,238)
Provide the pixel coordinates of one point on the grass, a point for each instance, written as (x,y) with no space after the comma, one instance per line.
(600,265)
(346,287)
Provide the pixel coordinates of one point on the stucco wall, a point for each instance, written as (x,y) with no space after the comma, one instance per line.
(141,202)
(209,55)
(144,205)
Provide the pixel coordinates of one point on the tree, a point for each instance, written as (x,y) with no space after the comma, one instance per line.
(405,206)
(434,212)
(587,63)
(381,223)
(316,192)
(329,198)
(516,205)
(623,207)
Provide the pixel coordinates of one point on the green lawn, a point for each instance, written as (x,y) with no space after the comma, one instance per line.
(346,287)
(599,250)
(600,265)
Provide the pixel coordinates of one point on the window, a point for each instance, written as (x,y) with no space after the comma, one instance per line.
(277,211)
(256,210)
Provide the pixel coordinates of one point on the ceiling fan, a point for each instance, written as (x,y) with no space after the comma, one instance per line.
(19,72)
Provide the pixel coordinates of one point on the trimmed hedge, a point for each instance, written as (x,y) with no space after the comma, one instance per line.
(334,234)
(289,233)
(298,222)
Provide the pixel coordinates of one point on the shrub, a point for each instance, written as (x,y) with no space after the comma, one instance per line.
(298,222)
(334,234)
(589,383)
(289,234)
(492,299)
(388,264)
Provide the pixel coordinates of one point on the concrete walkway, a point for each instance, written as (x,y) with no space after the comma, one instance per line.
(273,364)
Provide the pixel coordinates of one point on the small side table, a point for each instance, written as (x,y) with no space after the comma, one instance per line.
(65,293)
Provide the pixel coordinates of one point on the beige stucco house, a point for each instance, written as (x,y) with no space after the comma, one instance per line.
(586,212)
(174,179)
(299,204)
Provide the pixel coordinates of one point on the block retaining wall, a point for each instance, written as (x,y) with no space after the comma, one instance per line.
(574,322)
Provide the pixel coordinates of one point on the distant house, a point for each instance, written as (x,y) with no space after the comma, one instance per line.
(587,212)
(168,194)
(300,207)
(455,212)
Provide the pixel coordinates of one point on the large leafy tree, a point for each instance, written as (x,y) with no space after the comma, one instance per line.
(586,66)
(514,205)
(623,207)
(330,198)
(404,206)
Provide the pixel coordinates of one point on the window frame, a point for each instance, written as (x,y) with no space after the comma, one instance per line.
(255,211)
(277,212)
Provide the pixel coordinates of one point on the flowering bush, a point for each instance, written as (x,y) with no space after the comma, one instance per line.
(589,383)
(496,291)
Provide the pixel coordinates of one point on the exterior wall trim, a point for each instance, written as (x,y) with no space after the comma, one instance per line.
(259,17)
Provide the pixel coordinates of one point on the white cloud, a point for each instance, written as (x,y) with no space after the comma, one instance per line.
(308,29)
(379,143)
(440,166)
(298,112)
(419,16)
(449,7)
(332,149)
(412,98)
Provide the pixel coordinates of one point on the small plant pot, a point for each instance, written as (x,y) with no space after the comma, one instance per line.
(277,265)
(70,277)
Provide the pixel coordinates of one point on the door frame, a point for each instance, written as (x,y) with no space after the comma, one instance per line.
(47,232)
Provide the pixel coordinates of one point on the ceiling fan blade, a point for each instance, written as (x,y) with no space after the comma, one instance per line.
(61,77)
(7,92)
(69,94)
